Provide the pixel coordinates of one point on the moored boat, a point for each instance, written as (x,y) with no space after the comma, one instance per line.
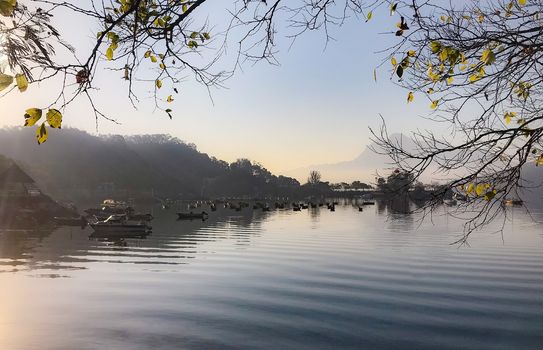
(191,216)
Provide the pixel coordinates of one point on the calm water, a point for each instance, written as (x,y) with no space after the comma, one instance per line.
(280,280)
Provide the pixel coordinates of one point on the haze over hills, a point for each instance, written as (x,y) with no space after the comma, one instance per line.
(74,163)
(364,167)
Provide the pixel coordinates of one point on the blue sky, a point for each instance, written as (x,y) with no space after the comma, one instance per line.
(315,107)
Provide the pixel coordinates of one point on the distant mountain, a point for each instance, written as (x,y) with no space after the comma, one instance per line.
(364,167)
(74,163)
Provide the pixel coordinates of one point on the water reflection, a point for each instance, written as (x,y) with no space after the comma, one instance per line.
(170,242)
(263,280)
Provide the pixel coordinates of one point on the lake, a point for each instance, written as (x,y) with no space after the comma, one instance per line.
(313,279)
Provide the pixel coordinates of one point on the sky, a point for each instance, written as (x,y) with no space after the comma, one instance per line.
(314,107)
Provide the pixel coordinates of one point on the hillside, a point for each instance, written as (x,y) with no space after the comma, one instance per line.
(74,163)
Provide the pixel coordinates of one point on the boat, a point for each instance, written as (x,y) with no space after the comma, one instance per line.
(191,216)
(368,203)
(119,223)
(70,221)
(513,202)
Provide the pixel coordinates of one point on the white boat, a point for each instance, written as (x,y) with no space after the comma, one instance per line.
(119,223)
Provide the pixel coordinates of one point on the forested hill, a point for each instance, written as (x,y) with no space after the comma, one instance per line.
(75,163)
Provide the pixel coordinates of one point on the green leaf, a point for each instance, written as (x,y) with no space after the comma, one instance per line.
(32,115)
(435,46)
(22,83)
(490,195)
(41,133)
(54,118)
(7,7)
(5,81)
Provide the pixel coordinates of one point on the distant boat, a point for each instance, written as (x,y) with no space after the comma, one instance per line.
(368,203)
(513,202)
(191,216)
(119,223)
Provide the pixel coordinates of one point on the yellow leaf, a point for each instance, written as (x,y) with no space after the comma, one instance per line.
(22,83)
(41,134)
(393,61)
(539,160)
(54,118)
(370,15)
(449,80)
(522,2)
(430,91)
(375,74)
(169,99)
(153,59)
(411,53)
(5,80)
(508,116)
(158,83)
(479,189)
(488,57)
(470,188)
(162,66)
(7,7)
(434,104)
(147,54)
(32,115)
(410,96)
(474,77)
(109,53)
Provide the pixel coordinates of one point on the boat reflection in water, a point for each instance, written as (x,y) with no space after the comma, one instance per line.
(120,224)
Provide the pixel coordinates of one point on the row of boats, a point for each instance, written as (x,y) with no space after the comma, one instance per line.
(117,216)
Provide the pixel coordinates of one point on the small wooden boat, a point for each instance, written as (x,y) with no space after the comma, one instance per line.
(368,203)
(191,216)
